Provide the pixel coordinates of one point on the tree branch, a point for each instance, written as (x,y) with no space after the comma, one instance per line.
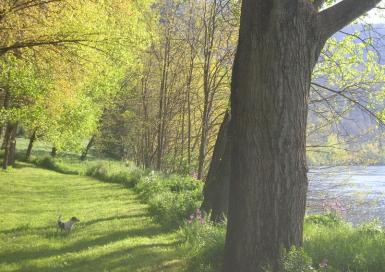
(4,50)
(360,105)
(338,16)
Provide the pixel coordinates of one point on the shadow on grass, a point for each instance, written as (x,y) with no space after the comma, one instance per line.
(143,257)
(26,255)
(120,217)
(47,230)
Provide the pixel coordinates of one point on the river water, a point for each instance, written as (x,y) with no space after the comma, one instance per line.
(357,193)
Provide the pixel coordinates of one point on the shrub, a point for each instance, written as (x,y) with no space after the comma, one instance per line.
(329,245)
(170,209)
(347,248)
(296,260)
(171,198)
(205,241)
(329,219)
(117,174)
(51,164)
(98,171)
(371,228)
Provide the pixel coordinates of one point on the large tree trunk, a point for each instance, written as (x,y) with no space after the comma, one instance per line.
(279,44)
(216,189)
(30,145)
(271,79)
(89,145)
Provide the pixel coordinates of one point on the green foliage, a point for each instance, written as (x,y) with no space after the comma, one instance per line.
(372,228)
(329,219)
(326,239)
(115,173)
(51,164)
(346,248)
(205,243)
(296,260)
(171,198)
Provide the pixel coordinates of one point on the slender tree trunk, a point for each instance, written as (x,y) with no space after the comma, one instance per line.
(9,145)
(54,152)
(6,145)
(30,145)
(189,82)
(209,22)
(12,145)
(162,101)
(89,145)
(203,142)
(216,189)
(2,105)
(7,102)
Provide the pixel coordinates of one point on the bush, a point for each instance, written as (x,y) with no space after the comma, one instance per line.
(171,198)
(296,260)
(206,243)
(329,245)
(347,248)
(51,164)
(117,174)
(329,219)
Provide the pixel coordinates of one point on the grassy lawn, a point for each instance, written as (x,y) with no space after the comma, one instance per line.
(115,232)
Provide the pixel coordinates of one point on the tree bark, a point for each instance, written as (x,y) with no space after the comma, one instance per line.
(162,100)
(30,145)
(12,145)
(9,144)
(279,44)
(54,152)
(5,146)
(4,143)
(271,79)
(89,145)
(209,22)
(7,102)
(216,188)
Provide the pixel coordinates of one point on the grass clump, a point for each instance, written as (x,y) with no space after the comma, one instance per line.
(347,248)
(171,198)
(51,164)
(330,244)
(117,173)
(205,241)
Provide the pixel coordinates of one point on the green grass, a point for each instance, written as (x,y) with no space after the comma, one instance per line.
(115,233)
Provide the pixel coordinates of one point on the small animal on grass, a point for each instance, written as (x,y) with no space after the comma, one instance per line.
(67,225)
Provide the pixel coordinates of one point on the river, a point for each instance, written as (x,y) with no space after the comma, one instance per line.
(357,193)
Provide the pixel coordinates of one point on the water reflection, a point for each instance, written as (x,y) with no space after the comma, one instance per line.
(356,192)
